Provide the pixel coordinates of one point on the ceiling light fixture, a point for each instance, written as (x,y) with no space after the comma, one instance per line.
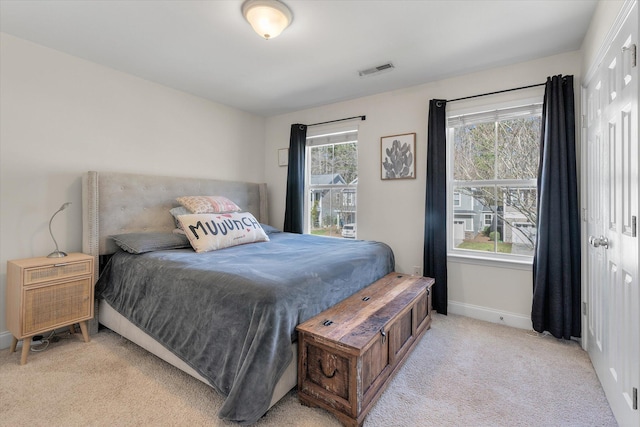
(267,17)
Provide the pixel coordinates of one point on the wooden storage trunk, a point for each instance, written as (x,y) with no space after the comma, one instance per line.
(348,353)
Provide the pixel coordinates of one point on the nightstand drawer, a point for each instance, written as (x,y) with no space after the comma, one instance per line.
(48,307)
(61,270)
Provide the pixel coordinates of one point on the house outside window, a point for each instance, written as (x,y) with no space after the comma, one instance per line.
(331,182)
(492,178)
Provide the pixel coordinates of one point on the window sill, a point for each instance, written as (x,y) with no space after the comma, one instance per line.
(514,264)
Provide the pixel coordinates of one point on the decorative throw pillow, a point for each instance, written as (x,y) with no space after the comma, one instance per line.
(210,232)
(139,243)
(208,204)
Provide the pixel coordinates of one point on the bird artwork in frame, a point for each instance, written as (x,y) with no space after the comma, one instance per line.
(397,156)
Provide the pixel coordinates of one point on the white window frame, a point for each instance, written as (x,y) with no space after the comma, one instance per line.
(479,257)
(318,136)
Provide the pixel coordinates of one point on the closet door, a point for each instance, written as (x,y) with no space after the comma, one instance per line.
(613,298)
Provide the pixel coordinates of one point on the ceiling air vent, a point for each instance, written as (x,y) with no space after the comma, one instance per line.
(376,70)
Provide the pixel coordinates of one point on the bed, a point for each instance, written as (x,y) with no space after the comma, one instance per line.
(227,317)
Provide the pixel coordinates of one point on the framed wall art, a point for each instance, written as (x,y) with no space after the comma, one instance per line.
(398,156)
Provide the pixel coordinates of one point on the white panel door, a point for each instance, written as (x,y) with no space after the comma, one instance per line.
(613,297)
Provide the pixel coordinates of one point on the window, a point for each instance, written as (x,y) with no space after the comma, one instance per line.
(488,219)
(493,171)
(332,180)
(456,200)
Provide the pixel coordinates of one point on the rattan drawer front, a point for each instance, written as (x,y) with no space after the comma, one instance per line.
(48,307)
(54,272)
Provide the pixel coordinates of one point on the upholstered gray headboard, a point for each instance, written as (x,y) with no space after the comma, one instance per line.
(116,203)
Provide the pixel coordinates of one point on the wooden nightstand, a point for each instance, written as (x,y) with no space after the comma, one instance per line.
(48,293)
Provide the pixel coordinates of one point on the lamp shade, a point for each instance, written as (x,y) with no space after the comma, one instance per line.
(267,17)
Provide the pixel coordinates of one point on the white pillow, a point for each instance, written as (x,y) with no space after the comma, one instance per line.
(210,232)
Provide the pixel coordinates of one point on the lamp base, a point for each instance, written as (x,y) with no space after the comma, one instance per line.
(57,254)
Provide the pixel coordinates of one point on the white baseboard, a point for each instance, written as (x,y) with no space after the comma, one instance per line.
(490,315)
(5,340)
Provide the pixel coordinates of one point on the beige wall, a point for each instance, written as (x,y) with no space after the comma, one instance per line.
(392,211)
(61,116)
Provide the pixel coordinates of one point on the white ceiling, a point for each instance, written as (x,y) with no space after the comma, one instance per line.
(207,48)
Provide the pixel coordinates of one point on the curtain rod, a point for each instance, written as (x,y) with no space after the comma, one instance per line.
(496,92)
(339,120)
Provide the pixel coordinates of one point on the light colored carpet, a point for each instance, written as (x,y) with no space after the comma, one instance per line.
(464,372)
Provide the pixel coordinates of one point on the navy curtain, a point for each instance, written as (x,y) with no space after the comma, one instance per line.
(556,265)
(435,215)
(294,207)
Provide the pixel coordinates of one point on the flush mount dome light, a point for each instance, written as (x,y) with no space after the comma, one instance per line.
(267,17)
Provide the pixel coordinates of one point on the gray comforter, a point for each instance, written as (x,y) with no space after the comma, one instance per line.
(231,314)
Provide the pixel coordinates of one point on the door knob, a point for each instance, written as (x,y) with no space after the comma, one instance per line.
(599,241)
